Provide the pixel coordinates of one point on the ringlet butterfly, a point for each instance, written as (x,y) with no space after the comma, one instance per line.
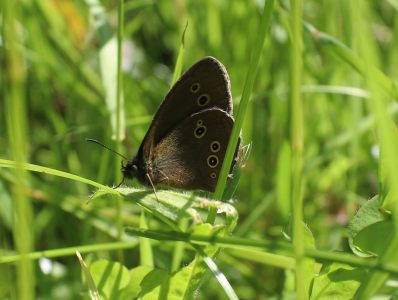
(186,142)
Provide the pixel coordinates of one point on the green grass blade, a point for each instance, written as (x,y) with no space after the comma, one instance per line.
(4,163)
(146,253)
(180,57)
(109,60)
(223,281)
(94,294)
(16,116)
(285,250)
(179,249)
(283,181)
(282,252)
(337,48)
(387,139)
(297,146)
(247,90)
(70,251)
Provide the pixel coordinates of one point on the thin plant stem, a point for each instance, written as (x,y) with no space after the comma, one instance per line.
(119,94)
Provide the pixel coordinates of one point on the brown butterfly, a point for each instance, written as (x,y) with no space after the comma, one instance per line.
(186,142)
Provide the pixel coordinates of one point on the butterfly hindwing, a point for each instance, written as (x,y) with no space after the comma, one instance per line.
(190,156)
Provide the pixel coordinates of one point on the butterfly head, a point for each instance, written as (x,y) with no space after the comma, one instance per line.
(130,169)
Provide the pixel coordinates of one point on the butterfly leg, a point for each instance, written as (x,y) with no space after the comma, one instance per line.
(165,177)
(153,187)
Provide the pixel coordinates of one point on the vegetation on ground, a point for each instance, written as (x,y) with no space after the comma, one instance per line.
(312,210)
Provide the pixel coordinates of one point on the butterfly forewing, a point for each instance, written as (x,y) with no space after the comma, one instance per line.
(204,85)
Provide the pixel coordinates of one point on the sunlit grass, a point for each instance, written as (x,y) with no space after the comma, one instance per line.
(318,109)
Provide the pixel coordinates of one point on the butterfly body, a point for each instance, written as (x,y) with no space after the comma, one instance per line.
(186,142)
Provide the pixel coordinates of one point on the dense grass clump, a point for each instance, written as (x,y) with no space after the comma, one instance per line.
(312,209)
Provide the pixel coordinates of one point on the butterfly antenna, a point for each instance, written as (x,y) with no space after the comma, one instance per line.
(153,187)
(106,147)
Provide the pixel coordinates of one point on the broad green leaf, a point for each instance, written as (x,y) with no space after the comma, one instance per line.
(172,207)
(184,283)
(374,238)
(370,229)
(337,281)
(144,279)
(155,284)
(111,278)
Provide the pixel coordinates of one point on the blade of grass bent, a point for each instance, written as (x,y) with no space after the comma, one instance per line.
(343,52)
(350,57)
(4,163)
(69,251)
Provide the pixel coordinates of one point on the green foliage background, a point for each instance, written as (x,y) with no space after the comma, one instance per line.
(349,59)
